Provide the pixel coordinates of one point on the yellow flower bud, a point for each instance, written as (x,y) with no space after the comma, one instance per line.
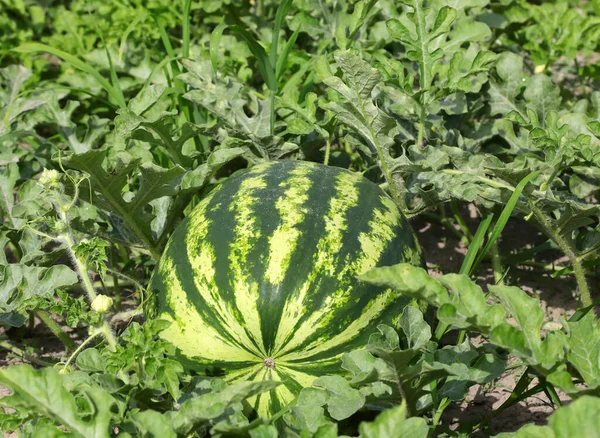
(49,178)
(102,304)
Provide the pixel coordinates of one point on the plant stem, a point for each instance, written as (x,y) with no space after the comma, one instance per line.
(488,181)
(445,223)
(581,84)
(78,350)
(496,263)
(185,27)
(421,126)
(439,411)
(552,395)
(567,249)
(55,328)
(327,152)
(273,114)
(128,314)
(116,287)
(384,165)
(82,271)
(461,222)
(16,350)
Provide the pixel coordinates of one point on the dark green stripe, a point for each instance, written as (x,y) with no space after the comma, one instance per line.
(357,222)
(177,252)
(302,259)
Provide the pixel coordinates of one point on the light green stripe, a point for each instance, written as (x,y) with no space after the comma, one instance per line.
(373,243)
(326,263)
(372,310)
(188,331)
(245,234)
(262,408)
(243,373)
(285,238)
(202,259)
(304,379)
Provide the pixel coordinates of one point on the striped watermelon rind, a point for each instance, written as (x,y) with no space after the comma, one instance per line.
(260,279)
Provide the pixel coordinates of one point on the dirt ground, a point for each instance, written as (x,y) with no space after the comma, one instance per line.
(444,254)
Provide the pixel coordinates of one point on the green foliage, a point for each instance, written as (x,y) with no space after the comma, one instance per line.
(396,369)
(462,304)
(116,118)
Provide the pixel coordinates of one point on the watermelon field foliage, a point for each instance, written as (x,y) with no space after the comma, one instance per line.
(118,118)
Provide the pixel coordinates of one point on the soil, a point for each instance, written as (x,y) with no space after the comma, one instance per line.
(444,254)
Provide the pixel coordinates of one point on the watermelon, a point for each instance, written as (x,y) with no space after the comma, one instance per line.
(259,281)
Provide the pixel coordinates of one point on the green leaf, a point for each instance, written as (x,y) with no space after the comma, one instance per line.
(525,340)
(346,33)
(197,411)
(475,245)
(584,348)
(62,116)
(90,360)
(566,422)
(21,285)
(505,216)
(8,178)
(264,431)
(359,112)
(308,411)
(465,367)
(77,63)
(146,98)
(282,10)
(504,92)
(155,182)
(362,365)
(12,104)
(387,338)
(416,330)
(152,424)
(231,105)
(201,175)
(267,70)
(542,95)
(343,400)
(394,424)
(468,306)
(215,40)
(409,280)
(413,31)
(43,392)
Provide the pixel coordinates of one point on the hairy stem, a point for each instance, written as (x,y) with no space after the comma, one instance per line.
(460,221)
(116,287)
(16,350)
(387,173)
(567,250)
(55,328)
(82,272)
(78,350)
(421,127)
